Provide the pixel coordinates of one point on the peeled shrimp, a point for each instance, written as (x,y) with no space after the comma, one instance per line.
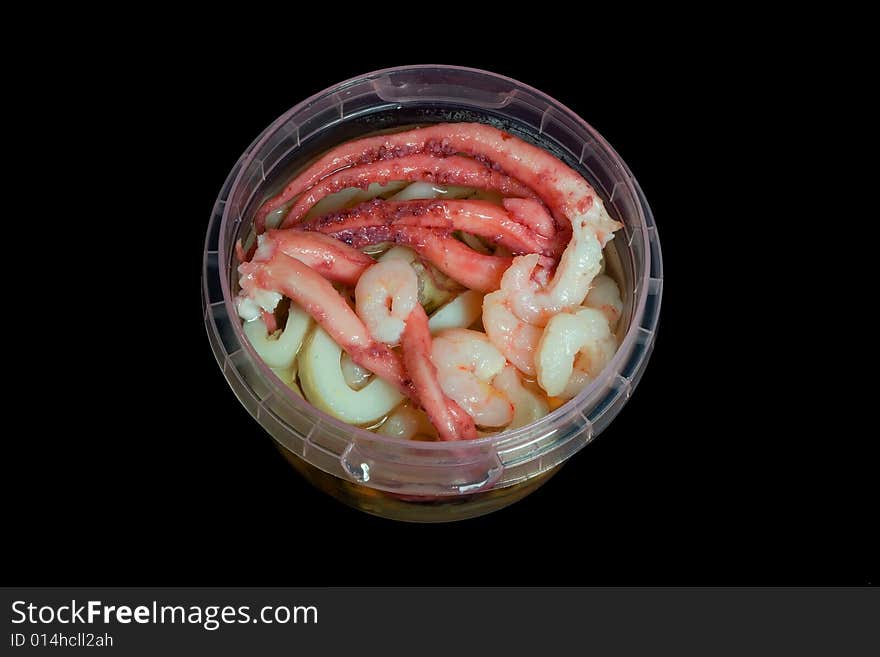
(536,304)
(579,378)
(385,296)
(527,405)
(516,339)
(605,296)
(585,334)
(435,288)
(466,363)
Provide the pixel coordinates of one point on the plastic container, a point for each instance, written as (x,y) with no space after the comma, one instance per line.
(425,481)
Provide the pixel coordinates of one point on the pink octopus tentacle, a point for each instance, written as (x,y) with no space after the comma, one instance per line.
(361,151)
(532,214)
(476,217)
(461,263)
(454,170)
(317,297)
(564,191)
(450,420)
(331,258)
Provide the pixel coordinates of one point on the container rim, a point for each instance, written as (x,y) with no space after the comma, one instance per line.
(572,407)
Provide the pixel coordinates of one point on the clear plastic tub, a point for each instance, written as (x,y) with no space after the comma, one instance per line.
(430,481)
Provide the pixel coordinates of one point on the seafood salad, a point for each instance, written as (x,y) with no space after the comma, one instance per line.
(440,283)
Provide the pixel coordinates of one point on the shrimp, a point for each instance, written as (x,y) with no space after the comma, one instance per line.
(585,334)
(466,363)
(605,296)
(527,405)
(578,380)
(435,288)
(385,296)
(592,228)
(516,339)
(536,304)
(453,170)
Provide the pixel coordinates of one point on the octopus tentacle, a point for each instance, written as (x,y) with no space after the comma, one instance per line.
(564,191)
(476,217)
(331,258)
(451,421)
(454,170)
(532,214)
(361,151)
(458,261)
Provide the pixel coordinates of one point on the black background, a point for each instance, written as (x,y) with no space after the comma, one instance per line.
(716,472)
